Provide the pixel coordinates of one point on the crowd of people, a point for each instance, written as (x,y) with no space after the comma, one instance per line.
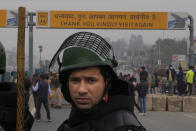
(169,82)
(41,86)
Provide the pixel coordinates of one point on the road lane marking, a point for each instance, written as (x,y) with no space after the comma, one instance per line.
(190,116)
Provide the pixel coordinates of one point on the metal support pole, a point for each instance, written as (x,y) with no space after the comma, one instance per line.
(31,24)
(191,53)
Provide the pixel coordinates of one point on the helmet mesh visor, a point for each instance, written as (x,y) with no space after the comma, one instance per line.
(89,41)
(92,42)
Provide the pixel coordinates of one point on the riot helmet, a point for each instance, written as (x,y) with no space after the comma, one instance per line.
(81,50)
(2,59)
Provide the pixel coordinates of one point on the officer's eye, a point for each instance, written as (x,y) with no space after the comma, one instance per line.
(91,80)
(74,80)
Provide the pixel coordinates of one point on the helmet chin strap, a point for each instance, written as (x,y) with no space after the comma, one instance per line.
(105,94)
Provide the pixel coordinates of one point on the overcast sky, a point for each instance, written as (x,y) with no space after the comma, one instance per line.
(51,39)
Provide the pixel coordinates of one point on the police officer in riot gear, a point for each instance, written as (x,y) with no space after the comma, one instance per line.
(8,96)
(100,101)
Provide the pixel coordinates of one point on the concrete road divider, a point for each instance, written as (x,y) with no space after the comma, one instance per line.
(158,102)
(189,104)
(174,103)
(169,103)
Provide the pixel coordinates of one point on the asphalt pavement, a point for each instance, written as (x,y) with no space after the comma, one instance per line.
(153,121)
(57,116)
(169,121)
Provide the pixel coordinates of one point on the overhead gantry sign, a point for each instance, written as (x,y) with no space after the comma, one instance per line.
(102,20)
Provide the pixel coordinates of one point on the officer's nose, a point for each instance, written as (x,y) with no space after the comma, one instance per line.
(83,88)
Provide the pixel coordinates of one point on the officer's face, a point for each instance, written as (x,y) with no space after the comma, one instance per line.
(86,87)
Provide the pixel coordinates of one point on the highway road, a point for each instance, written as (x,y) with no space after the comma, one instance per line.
(153,121)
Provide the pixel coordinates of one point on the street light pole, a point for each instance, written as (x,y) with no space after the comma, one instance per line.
(31,24)
(159,55)
(191,54)
(40,50)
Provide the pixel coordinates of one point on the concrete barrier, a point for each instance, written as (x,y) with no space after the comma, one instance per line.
(169,103)
(158,102)
(149,102)
(174,103)
(189,104)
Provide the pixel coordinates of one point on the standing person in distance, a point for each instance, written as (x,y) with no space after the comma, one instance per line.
(35,80)
(171,74)
(189,80)
(58,92)
(180,80)
(142,90)
(43,89)
(27,85)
